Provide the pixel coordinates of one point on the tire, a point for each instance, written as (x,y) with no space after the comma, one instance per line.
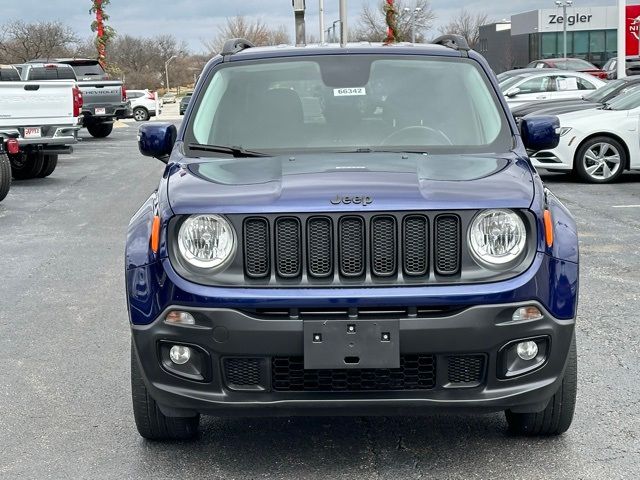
(140,114)
(100,130)
(600,160)
(26,166)
(5,176)
(152,424)
(49,165)
(557,417)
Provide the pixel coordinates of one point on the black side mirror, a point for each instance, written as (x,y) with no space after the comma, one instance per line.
(540,132)
(157,139)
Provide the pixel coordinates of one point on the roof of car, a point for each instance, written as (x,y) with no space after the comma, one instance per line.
(402,48)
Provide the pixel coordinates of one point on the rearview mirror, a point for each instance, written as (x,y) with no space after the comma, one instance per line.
(157,139)
(540,132)
(512,92)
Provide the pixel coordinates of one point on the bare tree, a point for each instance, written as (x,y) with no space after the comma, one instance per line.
(468,25)
(256,31)
(372,26)
(21,42)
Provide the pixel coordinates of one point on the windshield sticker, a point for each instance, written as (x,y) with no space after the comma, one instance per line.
(349,92)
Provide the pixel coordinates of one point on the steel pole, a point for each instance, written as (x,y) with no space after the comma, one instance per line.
(564,33)
(413,26)
(321,10)
(344,33)
(622,38)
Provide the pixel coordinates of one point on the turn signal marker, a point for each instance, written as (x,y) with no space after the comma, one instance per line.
(548,228)
(155,234)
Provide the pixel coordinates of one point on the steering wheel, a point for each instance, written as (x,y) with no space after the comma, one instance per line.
(417,135)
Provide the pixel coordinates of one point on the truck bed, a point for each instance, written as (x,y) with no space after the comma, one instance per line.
(38,104)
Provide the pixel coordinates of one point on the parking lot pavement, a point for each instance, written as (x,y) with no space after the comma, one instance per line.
(65,407)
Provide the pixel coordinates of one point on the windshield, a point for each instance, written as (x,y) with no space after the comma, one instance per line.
(603,92)
(510,82)
(350,103)
(626,101)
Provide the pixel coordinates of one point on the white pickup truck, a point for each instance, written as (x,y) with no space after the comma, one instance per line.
(38,121)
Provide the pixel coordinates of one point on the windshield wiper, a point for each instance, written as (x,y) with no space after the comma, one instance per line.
(237,152)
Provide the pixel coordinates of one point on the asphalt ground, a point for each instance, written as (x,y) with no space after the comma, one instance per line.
(65,408)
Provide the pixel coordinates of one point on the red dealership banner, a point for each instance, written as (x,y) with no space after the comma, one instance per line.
(633,29)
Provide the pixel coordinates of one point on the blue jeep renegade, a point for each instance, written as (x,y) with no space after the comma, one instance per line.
(351,231)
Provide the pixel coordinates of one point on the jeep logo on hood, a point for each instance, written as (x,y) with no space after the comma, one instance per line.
(363,200)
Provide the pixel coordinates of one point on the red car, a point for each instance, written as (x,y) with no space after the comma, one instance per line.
(574,64)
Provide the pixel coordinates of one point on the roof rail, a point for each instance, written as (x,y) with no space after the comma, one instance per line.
(235,45)
(457,42)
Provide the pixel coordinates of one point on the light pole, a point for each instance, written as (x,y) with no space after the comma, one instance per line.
(412,21)
(166,69)
(622,38)
(321,11)
(333,36)
(564,4)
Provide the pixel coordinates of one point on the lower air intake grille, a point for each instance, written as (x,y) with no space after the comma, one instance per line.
(243,373)
(416,372)
(447,244)
(465,369)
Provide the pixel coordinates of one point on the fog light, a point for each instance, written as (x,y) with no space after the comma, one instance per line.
(527,313)
(179,354)
(180,318)
(526,350)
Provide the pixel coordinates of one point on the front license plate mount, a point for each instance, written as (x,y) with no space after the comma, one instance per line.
(349,344)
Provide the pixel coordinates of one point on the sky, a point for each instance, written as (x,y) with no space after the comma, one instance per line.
(194,21)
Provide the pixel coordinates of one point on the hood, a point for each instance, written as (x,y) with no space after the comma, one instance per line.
(527,108)
(324,182)
(560,109)
(591,116)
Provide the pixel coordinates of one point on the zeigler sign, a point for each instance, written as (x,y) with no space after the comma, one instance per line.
(571,19)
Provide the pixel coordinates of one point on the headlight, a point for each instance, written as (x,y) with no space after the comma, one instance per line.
(564,131)
(497,238)
(206,241)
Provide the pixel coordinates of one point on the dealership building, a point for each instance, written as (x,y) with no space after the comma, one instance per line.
(529,36)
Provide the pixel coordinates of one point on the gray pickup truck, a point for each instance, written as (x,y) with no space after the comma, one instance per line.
(104,100)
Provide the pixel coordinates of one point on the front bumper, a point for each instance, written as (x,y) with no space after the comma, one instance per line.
(222,333)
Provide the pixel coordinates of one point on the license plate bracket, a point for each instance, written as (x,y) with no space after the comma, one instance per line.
(349,344)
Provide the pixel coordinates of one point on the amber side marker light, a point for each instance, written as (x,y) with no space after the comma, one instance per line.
(548,228)
(155,234)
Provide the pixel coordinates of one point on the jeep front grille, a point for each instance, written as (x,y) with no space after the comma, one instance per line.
(329,249)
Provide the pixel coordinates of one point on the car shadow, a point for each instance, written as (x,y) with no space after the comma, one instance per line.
(352,447)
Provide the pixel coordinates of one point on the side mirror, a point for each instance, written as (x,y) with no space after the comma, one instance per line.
(512,92)
(540,132)
(157,139)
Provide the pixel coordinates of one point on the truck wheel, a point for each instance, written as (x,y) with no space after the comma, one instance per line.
(141,114)
(49,165)
(100,130)
(557,417)
(26,166)
(5,176)
(150,421)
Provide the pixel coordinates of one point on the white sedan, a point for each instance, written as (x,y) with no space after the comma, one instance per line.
(548,85)
(598,144)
